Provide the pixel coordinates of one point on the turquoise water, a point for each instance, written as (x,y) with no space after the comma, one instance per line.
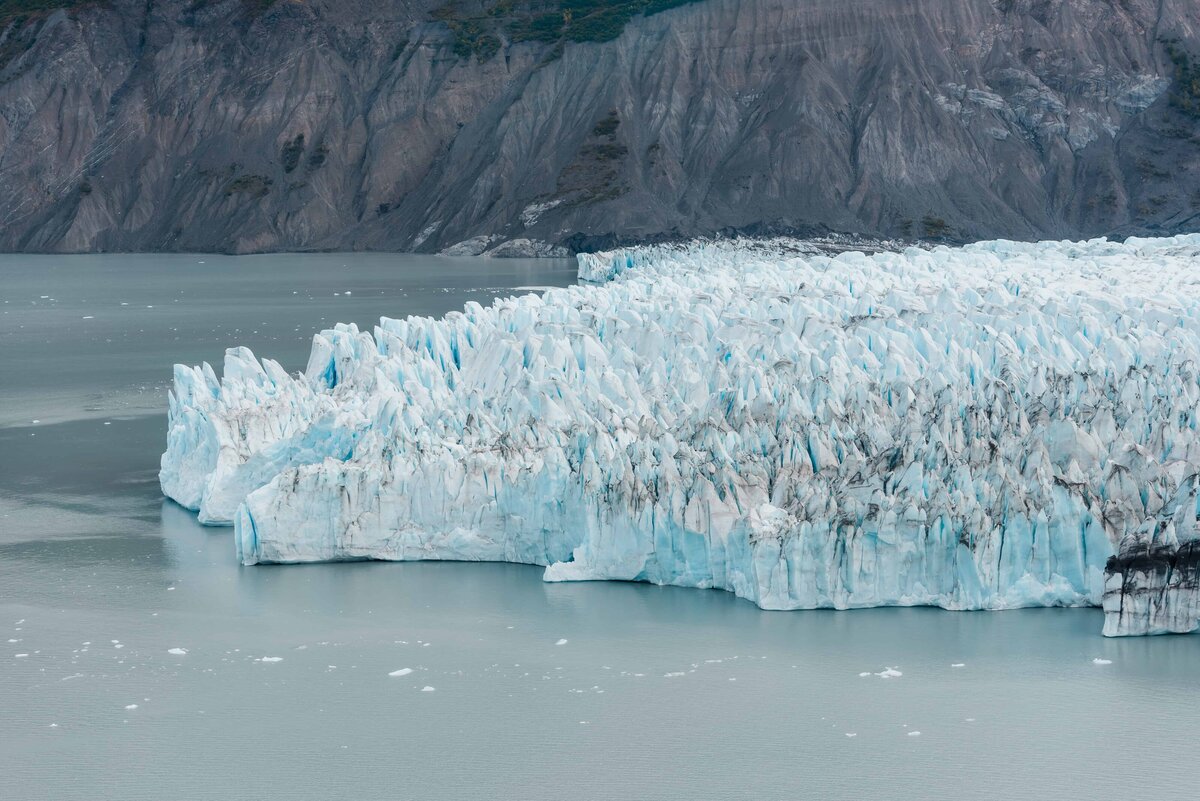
(657,693)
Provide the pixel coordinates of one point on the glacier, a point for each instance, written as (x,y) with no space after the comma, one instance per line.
(976,427)
(1153,587)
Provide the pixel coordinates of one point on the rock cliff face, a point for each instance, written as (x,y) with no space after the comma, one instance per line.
(246,125)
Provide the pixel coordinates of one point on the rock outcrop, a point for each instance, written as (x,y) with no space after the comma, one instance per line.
(246,125)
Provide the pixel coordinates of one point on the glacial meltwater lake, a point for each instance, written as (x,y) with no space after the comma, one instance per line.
(138,660)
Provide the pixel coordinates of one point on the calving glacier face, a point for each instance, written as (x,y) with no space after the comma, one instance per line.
(228,437)
(1153,584)
(974,428)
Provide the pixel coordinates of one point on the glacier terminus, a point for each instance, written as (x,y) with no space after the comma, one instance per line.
(992,426)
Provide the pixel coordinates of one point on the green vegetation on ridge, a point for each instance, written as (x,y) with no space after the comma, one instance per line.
(479,29)
(14,9)
(1185,89)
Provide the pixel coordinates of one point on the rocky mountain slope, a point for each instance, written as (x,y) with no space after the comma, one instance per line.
(520,125)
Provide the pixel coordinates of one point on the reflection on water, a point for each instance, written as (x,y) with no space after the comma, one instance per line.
(657,693)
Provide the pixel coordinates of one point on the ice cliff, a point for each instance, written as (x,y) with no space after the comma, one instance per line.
(972,428)
(1154,587)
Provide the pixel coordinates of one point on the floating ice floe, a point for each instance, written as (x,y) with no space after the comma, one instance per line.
(971,428)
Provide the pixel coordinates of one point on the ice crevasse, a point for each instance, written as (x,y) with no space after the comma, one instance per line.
(973,428)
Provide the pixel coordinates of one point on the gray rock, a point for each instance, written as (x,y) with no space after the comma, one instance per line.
(475,246)
(528,248)
(187,126)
